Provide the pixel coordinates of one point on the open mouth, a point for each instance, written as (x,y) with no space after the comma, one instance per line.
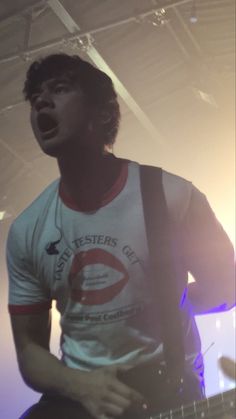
(47,124)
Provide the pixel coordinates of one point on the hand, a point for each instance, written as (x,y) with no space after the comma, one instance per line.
(102,394)
(228,366)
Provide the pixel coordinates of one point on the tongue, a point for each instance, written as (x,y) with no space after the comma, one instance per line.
(46,123)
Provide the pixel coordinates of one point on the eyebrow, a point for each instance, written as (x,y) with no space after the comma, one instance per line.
(56,80)
(51,83)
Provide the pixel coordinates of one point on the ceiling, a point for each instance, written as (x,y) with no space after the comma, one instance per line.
(172,63)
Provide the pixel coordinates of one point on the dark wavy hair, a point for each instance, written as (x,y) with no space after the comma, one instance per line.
(97,87)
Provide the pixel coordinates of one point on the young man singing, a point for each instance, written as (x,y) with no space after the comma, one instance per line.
(83,243)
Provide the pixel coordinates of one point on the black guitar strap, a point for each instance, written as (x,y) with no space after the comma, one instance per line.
(163,281)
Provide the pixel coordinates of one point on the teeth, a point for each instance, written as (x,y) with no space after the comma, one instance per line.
(46,122)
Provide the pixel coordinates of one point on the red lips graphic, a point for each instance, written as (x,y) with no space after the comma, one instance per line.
(96,296)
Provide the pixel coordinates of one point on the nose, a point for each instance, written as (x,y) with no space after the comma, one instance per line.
(44,100)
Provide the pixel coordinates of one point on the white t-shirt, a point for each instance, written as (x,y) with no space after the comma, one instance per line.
(98,272)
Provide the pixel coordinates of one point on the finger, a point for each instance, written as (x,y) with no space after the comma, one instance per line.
(117,400)
(112,409)
(128,393)
(228,366)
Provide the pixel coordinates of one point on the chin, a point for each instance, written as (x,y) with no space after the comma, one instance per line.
(52,153)
(53,149)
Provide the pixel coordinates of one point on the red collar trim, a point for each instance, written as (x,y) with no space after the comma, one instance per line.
(107,197)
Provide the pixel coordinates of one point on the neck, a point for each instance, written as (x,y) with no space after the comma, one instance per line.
(80,169)
(87,176)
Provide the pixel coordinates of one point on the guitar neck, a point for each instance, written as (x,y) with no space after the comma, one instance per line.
(213,407)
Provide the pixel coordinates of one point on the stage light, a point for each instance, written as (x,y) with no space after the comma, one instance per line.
(2,213)
(7,213)
(193,16)
(222,383)
(218,324)
(159,18)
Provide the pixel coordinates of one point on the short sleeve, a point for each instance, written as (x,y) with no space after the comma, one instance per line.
(208,252)
(26,293)
(202,246)
(206,243)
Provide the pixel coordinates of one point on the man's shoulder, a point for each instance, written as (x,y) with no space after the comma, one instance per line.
(178,192)
(29,216)
(170,180)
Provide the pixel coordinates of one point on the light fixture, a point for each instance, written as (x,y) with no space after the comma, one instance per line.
(2,214)
(205,97)
(193,15)
(6,213)
(159,17)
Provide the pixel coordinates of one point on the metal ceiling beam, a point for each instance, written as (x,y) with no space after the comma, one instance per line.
(15,154)
(206,96)
(63,15)
(93,31)
(177,40)
(187,30)
(99,61)
(11,106)
(18,10)
(28,21)
(37,4)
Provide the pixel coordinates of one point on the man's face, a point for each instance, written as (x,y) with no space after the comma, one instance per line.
(58,116)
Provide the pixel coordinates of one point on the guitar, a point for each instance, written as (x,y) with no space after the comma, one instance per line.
(214,407)
(166,401)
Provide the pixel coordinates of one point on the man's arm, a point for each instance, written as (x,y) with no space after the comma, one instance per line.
(31,336)
(209,256)
(99,391)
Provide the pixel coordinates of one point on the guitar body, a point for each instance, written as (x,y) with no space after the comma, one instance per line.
(161,392)
(168,399)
